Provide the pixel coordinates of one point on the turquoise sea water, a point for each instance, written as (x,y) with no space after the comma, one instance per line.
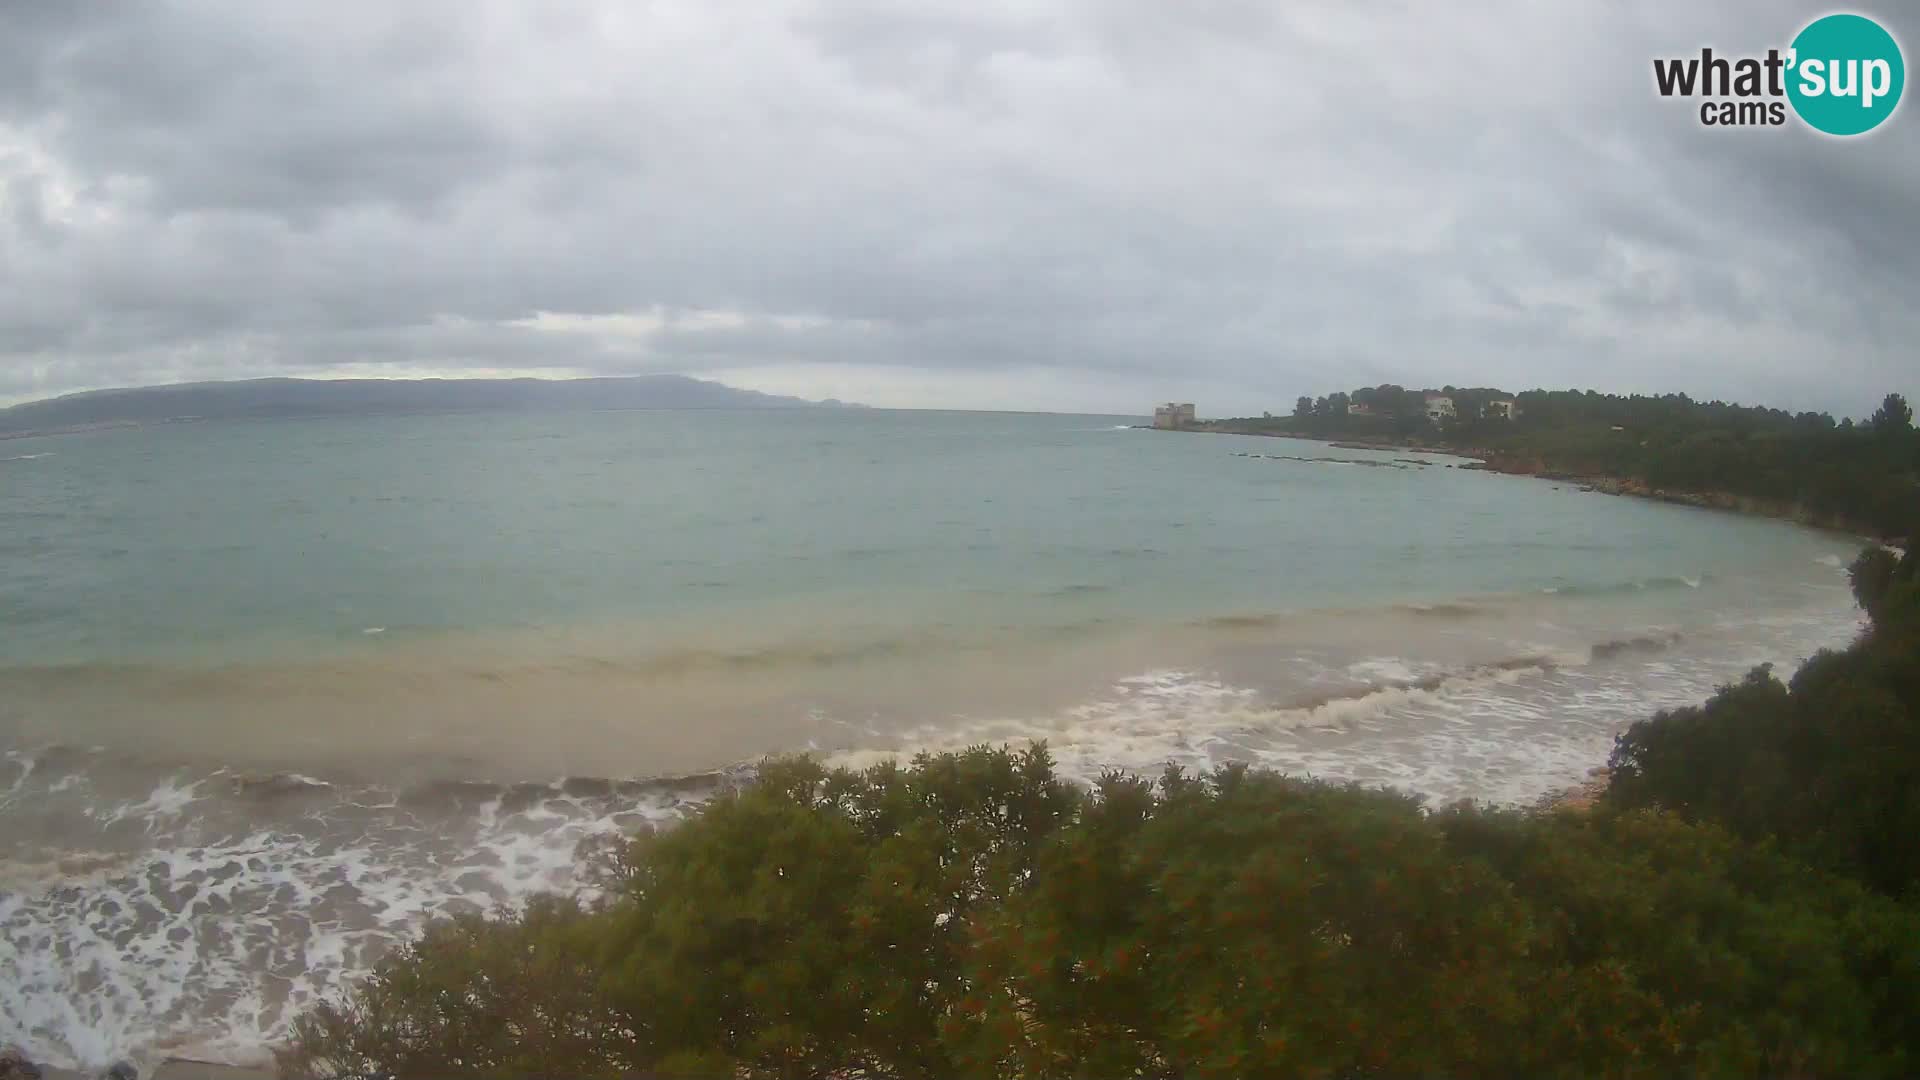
(211,543)
(272,693)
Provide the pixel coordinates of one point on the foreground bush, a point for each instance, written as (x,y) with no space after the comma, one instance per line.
(972,915)
(474,996)
(1672,947)
(1827,764)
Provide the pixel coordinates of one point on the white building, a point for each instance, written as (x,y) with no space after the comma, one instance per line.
(1505,409)
(1440,407)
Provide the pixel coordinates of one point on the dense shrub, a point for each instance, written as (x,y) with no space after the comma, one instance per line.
(1670,947)
(1828,764)
(816,923)
(1240,925)
(973,916)
(510,996)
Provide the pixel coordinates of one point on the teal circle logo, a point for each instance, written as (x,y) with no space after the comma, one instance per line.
(1845,74)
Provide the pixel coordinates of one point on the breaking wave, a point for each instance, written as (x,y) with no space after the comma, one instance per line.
(199,916)
(1635,586)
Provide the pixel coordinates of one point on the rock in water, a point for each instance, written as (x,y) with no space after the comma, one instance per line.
(15,1065)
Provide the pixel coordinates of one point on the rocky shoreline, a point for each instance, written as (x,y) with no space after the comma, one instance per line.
(1782,509)
(1530,465)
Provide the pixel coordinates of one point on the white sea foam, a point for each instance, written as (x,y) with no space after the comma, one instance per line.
(1188,719)
(210,948)
(1501,733)
(167,801)
(1387,669)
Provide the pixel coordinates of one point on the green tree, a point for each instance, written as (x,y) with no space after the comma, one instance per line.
(1894,417)
(1860,477)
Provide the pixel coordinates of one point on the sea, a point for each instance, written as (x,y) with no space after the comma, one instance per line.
(276,693)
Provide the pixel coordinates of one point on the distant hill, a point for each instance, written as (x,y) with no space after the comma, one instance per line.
(369,397)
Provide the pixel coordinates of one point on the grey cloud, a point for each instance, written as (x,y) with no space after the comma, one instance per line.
(1258,199)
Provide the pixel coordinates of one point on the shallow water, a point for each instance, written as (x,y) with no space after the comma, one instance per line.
(272,694)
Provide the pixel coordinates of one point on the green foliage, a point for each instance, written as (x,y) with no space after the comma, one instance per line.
(1828,764)
(1863,477)
(971,915)
(812,923)
(1894,417)
(1873,576)
(1827,473)
(1664,947)
(1243,925)
(513,996)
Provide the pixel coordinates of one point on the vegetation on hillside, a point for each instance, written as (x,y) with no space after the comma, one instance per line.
(1863,476)
(1743,902)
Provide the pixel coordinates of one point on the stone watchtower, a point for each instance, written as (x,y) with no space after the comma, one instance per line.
(1173,416)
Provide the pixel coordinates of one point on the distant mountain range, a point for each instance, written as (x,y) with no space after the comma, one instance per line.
(265,398)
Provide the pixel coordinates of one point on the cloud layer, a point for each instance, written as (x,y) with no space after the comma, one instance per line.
(1080,204)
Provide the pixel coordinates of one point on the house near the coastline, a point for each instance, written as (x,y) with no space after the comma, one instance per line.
(1357,408)
(1440,407)
(1173,416)
(1504,408)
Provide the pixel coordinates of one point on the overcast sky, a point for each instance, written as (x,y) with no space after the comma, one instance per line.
(1056,204)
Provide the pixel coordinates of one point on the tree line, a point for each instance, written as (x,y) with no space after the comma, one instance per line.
(1864,476)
